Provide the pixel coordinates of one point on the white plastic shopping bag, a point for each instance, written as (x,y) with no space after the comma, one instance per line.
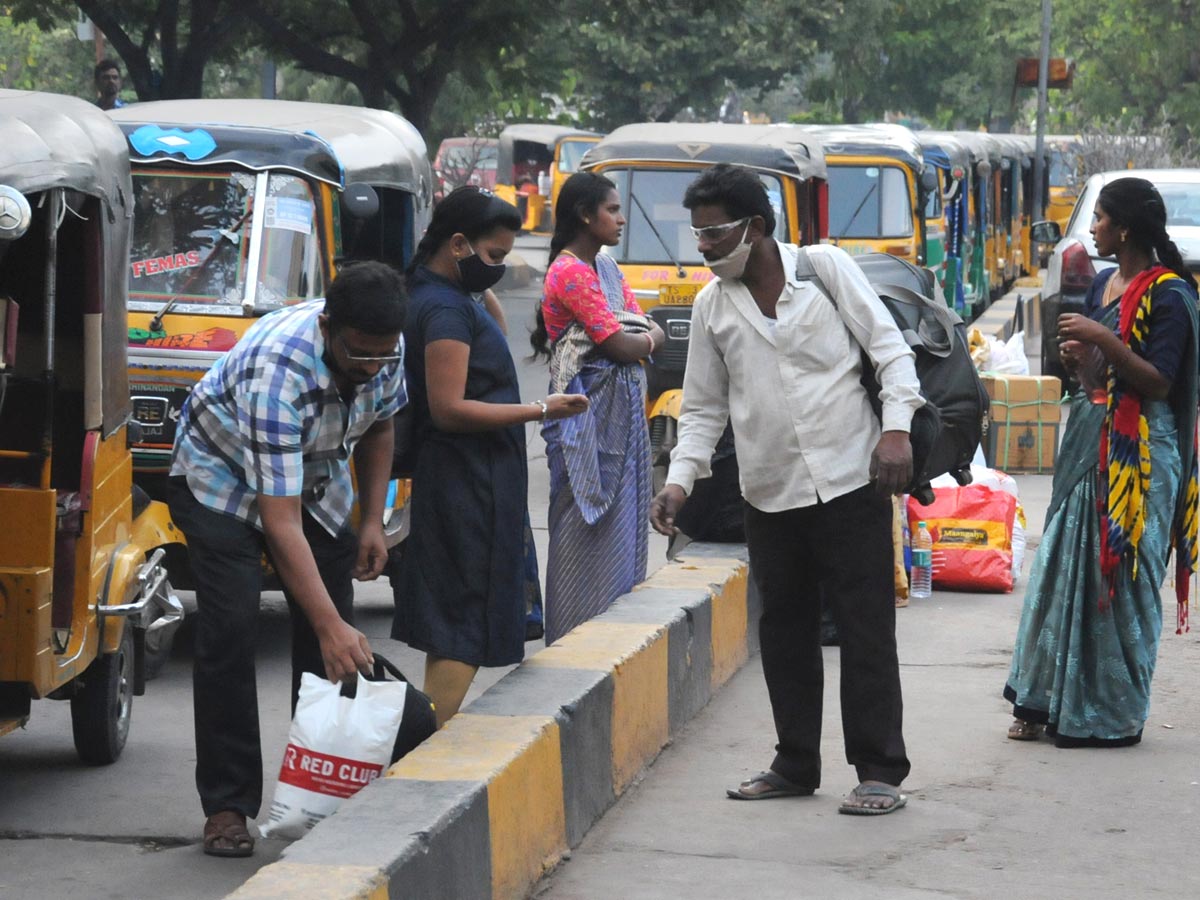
(336,746)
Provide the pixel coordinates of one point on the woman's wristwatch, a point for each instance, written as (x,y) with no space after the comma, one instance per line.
(542,404)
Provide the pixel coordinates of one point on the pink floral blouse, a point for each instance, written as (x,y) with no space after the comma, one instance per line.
(573,294)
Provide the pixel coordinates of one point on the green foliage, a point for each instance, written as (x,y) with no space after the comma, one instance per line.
(54,59)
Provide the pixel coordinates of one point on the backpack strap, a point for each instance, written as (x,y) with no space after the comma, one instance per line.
(807,272)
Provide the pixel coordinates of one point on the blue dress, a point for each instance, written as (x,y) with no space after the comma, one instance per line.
(463,581)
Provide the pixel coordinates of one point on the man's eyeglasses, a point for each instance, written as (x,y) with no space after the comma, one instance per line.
(382,360)
(714,233)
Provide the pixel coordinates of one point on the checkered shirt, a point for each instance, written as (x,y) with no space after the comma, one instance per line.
(267,419)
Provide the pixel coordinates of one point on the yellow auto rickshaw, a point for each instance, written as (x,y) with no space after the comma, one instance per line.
(652,164)
(83,588)
(534,162)
(878,185)
(241,207)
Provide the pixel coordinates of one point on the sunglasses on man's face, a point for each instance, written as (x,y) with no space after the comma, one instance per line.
(714,233)
(382,360)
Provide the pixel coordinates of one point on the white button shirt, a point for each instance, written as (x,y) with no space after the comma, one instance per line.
(802,421)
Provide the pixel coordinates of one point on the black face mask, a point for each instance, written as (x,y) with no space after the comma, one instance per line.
(476,275)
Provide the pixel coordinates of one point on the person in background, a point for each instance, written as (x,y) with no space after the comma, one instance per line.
(599,462)
(262,464)
(463,581)
(1124,489)
(107,77)
(772,353)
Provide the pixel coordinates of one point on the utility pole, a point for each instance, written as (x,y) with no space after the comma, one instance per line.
(1040,141)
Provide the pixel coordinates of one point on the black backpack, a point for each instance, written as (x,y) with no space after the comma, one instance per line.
(950,426)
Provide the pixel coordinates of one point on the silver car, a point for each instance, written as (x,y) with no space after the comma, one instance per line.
(1074,262)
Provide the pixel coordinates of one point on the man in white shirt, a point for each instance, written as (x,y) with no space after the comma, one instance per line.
(782,361)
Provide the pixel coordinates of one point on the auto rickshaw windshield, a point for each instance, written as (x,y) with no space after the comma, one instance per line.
(869,202)
(655,196)
(193,240)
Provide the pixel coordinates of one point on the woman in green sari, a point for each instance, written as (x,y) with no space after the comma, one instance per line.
(1124,489)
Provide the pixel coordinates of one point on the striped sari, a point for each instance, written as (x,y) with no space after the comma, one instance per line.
(600,486)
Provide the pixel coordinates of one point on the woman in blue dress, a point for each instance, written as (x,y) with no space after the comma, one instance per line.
(463,581)
(1124,489)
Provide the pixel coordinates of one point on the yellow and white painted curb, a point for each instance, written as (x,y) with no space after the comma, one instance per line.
(492,801)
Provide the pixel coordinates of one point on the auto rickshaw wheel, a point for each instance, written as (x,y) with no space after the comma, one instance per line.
(102,706)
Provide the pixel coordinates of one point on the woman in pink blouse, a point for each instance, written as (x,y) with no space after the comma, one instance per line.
(596,336)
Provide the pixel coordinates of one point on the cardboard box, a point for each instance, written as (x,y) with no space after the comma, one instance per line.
(1025,416)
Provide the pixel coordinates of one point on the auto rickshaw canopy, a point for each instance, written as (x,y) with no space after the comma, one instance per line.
(944,150)
(50,142)
(547,136)
(327,141)
(787,150)
(879,139)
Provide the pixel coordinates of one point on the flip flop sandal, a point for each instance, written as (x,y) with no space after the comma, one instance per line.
(1020,730)
(873,790)
(778,787)
(227,827)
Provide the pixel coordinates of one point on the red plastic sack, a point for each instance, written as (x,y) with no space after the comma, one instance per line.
(972,529)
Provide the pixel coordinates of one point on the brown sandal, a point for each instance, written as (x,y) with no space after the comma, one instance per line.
(225,834)
(1020,730)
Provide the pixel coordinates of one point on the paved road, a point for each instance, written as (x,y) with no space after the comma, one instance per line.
(986,818)
(132,830)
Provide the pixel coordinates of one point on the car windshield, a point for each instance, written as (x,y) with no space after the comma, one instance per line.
(869,202)
(570,153)
(289,265)
(191,237)
(658,194)
(1182,200)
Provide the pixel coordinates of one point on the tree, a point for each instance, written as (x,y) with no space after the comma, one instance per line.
(32,59)
(164,44)
(1136,59)
(654,62)
(398,51)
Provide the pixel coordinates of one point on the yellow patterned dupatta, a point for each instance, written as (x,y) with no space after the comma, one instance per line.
(1124,477)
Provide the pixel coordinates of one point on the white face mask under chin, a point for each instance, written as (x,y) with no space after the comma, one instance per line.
(733,263)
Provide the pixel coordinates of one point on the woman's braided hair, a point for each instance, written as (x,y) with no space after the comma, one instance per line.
(1135,205)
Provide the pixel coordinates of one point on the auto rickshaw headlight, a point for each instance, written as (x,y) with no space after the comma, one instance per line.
(15,214)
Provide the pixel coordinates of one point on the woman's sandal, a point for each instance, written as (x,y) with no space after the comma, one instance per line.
(1020,730)
(225,834)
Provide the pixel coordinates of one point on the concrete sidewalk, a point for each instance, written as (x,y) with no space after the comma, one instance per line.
(986,816)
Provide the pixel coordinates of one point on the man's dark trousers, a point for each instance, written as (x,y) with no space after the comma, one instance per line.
(842,550)
(226,561)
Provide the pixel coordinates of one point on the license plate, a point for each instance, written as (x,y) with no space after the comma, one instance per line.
(677,294)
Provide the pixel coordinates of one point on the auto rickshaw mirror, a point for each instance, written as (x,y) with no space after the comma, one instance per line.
(15,214)
(360,200)
(1047,232)
(929,180)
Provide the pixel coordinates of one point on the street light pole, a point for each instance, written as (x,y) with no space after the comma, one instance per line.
(1040,141)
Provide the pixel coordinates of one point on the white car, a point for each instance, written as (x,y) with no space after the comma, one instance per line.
(1074,262)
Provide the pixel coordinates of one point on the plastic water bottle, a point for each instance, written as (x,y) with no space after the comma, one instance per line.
(920,583)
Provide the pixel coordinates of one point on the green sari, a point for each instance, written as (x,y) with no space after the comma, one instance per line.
(1082,670)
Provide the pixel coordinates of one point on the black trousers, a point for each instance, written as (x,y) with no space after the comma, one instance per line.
(226,560)
(842,551)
